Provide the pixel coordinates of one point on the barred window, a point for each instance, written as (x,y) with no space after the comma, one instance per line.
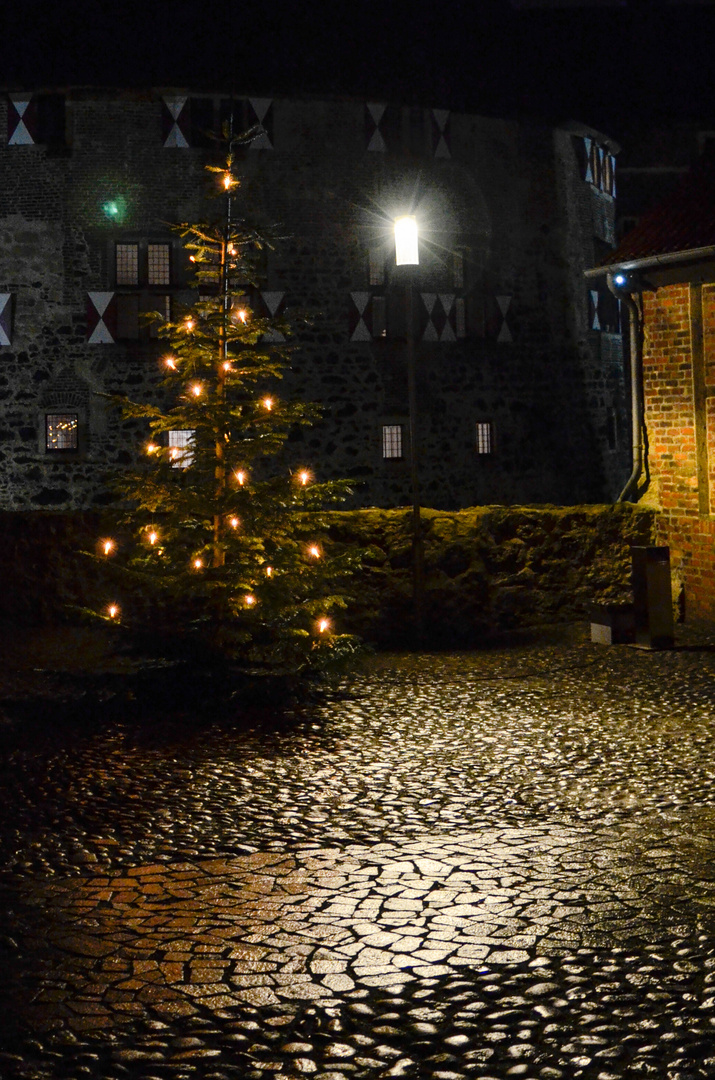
(392,441)
(61,432)
(159,264)
(181,453)
(127,264)
(484,437)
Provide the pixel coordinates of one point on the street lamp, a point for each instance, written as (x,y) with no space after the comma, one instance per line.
(407,254)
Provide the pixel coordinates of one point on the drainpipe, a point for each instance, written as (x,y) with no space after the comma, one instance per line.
(636,383)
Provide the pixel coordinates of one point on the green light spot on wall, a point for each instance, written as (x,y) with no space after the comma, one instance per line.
(115,209)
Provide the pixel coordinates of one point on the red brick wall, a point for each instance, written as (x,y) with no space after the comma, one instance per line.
(684,523)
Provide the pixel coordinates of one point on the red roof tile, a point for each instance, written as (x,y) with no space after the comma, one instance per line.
(683,221)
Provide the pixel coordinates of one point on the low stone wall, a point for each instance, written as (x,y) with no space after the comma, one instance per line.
(488,569)
(492,569)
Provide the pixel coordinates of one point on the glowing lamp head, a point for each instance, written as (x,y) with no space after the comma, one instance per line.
(323,626)
(242,315)
(197,389)
(170,362)
(227,365)
(198,564)
(619,279)
(250,600)
(153,536)
(268,403)
(233,522)
(151,448)
(269,571)
(228,181)
(189,324)
(240,476)
(304,476)
(113,611)
(406,247)
(314,550)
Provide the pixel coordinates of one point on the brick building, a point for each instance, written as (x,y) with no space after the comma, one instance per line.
(520,387)
(666,265)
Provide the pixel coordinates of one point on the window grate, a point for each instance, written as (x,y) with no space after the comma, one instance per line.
(61,431)
(392,441)
(484,437)
(127,264)
(159,264)
(181,453)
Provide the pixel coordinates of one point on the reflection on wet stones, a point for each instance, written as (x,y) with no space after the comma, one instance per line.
(491,865)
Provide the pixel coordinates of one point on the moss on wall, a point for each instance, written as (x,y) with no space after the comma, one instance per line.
(488,569)
(493,568)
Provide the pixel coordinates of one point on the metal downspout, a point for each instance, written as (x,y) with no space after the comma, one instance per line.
(636,391)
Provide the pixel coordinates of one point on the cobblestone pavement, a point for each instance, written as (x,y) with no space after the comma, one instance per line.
(494,864)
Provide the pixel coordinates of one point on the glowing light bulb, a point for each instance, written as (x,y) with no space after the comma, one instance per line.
(108,547)
(232,251)
(234,522)
(250,600)
(153,537)
(242,314)
(323,625)
(268,403)
(197,389)
(189,324)
(227,181)
(304,477)
(151,448)
(198,563)
(240,476)
(227,365)
(314,550)
(112,611)
(170,362)
(174,453)
(269,571)
(192,258)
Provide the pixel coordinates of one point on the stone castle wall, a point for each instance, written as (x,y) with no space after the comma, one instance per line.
(509,220)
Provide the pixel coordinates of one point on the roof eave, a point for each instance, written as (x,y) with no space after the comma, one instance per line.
(650,261)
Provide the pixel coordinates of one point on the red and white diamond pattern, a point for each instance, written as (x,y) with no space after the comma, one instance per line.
(20,120)
(441,133)
(5,318)
(176,135)
(101,318)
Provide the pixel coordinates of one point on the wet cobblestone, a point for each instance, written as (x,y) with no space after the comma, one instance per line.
(493,864)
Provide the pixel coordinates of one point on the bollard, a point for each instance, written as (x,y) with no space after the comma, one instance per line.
(652,597)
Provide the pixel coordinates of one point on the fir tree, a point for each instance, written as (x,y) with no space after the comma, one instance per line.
(221,546)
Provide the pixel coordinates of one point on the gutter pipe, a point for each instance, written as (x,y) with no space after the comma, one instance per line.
(636,387)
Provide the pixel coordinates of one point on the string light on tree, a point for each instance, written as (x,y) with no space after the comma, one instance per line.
(113,611)
(108,546)
(216,429)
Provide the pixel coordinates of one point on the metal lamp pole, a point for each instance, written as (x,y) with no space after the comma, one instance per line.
(407,254)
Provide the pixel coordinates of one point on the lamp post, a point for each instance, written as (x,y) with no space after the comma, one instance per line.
(407,255)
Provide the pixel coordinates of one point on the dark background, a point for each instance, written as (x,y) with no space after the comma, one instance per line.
(611,63)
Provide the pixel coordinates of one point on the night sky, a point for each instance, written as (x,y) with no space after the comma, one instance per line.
(610,64)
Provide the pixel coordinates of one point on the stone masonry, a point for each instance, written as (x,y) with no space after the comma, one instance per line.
(520,383)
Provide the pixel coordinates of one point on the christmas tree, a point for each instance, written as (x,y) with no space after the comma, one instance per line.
(219,545)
